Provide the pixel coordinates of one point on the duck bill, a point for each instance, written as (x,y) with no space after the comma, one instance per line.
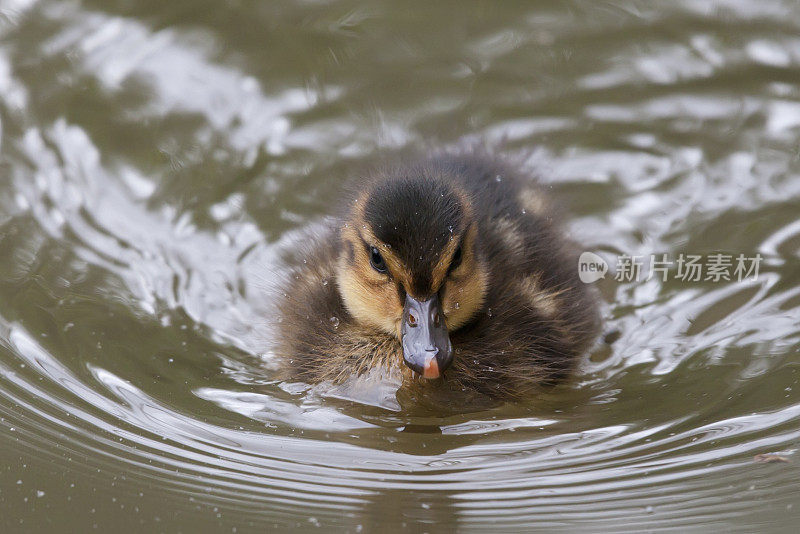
(426,343)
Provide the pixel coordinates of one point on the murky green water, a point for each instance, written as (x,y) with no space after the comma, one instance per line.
(156,156)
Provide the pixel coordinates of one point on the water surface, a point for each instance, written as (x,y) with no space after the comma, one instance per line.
(157,157)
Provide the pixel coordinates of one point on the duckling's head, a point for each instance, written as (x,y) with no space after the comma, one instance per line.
(411,265)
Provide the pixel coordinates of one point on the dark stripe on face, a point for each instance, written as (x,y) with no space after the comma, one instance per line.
(401,292)
(421,284)
(458,255)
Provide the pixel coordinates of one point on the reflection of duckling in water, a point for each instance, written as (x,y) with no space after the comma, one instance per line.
(451,268)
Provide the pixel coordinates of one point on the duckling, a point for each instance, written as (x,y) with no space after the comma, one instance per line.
(452,268)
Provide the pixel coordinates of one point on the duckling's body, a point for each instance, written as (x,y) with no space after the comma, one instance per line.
(468,237)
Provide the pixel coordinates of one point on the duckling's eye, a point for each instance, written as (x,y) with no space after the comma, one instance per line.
(456,261)
(376,260)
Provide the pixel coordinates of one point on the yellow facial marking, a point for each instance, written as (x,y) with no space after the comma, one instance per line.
(465,288)
(371,297)
(445,259)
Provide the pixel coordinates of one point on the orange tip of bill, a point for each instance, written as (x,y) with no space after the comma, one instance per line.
(431,369)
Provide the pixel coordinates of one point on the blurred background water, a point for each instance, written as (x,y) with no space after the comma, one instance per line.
(156,156)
